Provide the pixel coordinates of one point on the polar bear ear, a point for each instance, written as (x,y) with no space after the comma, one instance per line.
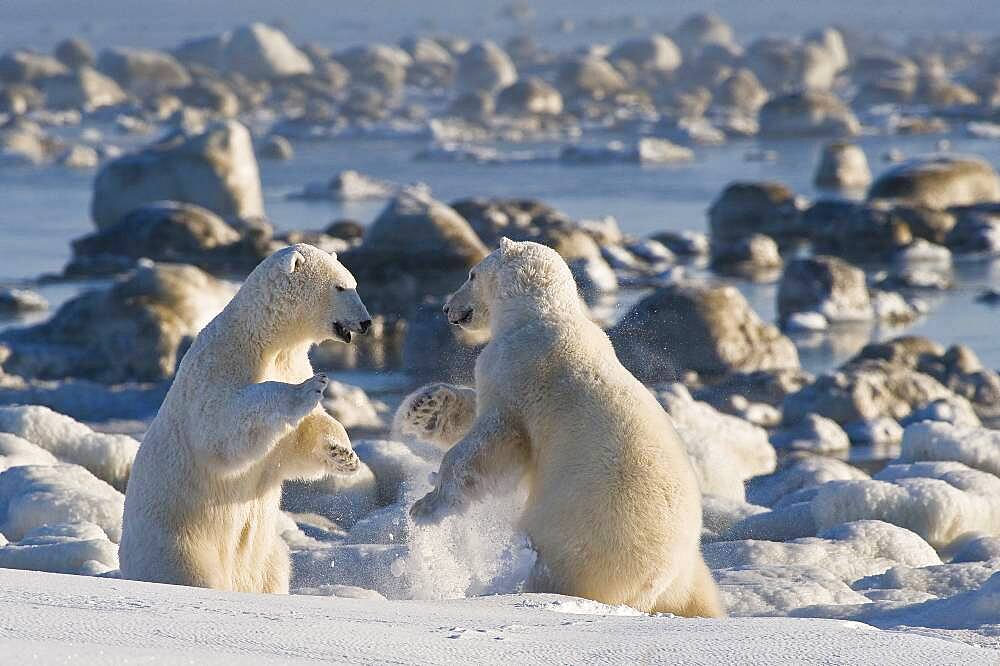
(291,262)
(507,248)
(333,255)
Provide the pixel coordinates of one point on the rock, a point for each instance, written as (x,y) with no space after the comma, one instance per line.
(528,97)
(203,51)
(647,150)
(261,52)
(23,142)
(684,243)
(211,95)
(79,157)
(19,301)
(84,88)
(485,66)
(813,433)
(416,247)
(143,71)
(741,90)
(825,285)
(877,67)
(843,166)
(702,29)
(747,208)
(433,66)
(976,231)
(589,77)
(939,182)
(215,169)
(722,334)
(755,256)
(476,106)
(787,66)
(799,471)
(75,52)
(862,391)
(379,66)
(349,186)
(832,40)
(804,114)
(435,350)
(27,66)
(656,54)
(275,147)
(162,231)
(136,330)
(848,229)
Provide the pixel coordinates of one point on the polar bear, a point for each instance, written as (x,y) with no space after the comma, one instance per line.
(613,509)
(243,415)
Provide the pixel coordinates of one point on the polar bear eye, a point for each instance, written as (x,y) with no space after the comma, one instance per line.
(339,288)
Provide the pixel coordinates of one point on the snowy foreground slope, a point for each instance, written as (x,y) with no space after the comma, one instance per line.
(53,618)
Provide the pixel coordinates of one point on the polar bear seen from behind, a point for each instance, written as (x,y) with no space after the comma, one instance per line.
(613,509)
(242,416)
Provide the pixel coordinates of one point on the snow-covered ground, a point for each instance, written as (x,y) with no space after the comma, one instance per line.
(51,618)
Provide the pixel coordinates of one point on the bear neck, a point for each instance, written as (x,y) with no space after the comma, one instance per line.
(517,312)
(266,335)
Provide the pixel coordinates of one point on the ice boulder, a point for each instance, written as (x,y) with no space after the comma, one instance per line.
(978,448)
(85,89)
(848,551)
(940,501)
(799,472)
(16,451)
(107,456)
(32,496)
(725,450)
(214,168)
(778,590)
(70,548)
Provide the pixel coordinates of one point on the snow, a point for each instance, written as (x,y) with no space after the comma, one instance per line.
(73,548)
(15,451)
(109,457)
(50,618)
(976,447)
(36,495)
(725,450)
(848,552)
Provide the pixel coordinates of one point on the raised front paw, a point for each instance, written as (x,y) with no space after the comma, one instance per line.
(308,394)
(340,457)
(423,414)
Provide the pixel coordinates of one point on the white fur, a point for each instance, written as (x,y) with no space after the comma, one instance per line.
(243,415)
(613,510)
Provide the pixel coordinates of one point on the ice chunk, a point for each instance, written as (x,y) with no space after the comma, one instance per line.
(942,580)
(73,548)
(35,495)
(15,451)
(725,450)
(803,471)
(848,551)
(976,447)
(108,457)
(777,590)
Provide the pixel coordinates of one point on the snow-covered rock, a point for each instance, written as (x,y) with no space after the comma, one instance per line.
(725,450)
(262,52)
(68,548)
(215,169)
(108,457)
(976,447)
(32,496)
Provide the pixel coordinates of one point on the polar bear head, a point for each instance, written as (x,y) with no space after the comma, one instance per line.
(308,294)
(522,276)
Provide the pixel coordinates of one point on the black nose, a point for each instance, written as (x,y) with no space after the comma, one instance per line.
(365,325)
